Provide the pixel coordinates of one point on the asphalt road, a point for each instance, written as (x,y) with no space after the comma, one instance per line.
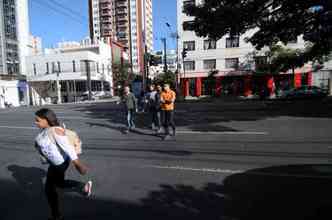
(229,160)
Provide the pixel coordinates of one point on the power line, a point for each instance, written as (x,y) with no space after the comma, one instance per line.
(64,13)
(69,9)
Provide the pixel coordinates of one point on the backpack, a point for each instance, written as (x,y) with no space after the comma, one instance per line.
(73,139)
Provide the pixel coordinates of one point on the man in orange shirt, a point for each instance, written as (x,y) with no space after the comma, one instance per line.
(167,99)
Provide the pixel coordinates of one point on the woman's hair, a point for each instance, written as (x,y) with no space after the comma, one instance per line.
(49,115)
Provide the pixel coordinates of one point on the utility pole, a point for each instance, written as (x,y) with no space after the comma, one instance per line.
(58,87)
(88,78)
(165,55)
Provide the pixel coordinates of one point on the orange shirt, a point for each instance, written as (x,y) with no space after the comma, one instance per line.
(168,96)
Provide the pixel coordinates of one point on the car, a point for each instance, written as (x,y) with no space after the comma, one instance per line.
(304,92)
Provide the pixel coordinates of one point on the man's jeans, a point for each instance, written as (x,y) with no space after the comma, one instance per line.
(130,118)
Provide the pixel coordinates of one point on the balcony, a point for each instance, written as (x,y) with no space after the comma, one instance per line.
(122,11)
(105,6)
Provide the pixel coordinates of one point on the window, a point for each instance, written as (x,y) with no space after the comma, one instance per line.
(189,45)
(188,3)
(232,42)
(231,63)
(209,64)
(34,69)
(210,44)
(47,68)
(189,65)
(97,67)
(74,66)
(59,67)
(53,67)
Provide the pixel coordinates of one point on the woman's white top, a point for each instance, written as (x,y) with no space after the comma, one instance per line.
(51,151)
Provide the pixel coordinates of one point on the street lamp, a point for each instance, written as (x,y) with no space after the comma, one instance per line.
(175,36)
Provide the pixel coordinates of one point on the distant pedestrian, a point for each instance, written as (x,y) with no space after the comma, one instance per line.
(130,102)
(159,90)
(59,154)
(153,106)
(167,99)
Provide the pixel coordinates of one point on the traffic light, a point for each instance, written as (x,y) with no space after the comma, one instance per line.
(184,53)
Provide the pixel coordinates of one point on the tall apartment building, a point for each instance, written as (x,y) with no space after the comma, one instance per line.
(224,55)
(128,22)
(14,36)
(35,45)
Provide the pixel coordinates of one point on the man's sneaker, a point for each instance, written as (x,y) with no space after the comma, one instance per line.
(88,188)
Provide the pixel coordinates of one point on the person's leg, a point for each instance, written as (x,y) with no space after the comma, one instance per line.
(167,122)
(164,119)
(159,119)
(55,178)
(132,115)
(171,121)
(128,119)
(154,119)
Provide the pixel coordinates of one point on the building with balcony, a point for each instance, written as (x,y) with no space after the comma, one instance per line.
(129,22)
(229,56)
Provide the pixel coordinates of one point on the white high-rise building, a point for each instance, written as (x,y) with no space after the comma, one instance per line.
(14,47)
(14,36)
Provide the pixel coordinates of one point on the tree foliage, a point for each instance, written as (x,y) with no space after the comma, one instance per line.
(122,74)
(168,77)
(272,21)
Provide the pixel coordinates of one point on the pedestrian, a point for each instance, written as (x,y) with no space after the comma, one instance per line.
(159,90)
(59,155)
(130,102)
(167,99)
(153,106)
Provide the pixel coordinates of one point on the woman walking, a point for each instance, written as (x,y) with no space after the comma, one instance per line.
(58,154)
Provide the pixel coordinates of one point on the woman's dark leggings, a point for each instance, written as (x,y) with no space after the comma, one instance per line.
(55,179)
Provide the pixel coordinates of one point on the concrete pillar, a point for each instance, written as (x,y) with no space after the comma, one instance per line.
(309,79)
(248,86)
(185,87)
(198,87)
(219,85)
(297,80)
(330,84)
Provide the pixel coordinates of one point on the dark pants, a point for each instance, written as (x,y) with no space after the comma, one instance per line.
(155,117)
(56,179)
(130,118)
(168,120)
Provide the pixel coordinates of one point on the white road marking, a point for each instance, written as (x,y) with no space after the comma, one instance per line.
(224,132)
(17,127)
(207,170)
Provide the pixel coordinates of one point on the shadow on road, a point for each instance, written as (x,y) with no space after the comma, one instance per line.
(284,192)
(204,116)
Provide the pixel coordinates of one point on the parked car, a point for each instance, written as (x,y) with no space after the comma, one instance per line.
(304,92)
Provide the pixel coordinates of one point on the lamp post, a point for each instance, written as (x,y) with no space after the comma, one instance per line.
(175,36)
(58,87)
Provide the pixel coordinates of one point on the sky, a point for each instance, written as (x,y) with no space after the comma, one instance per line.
(53,26)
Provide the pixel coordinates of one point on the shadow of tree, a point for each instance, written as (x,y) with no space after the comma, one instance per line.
(204,116)
(281,192)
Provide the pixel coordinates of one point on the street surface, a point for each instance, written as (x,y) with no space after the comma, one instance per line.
(229,160)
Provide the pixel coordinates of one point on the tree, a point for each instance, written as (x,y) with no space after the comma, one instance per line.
(211,82)
(122,75)
(168,77)
(272,21)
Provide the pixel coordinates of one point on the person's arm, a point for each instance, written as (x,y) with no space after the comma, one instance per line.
(173,97)
(135,102)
